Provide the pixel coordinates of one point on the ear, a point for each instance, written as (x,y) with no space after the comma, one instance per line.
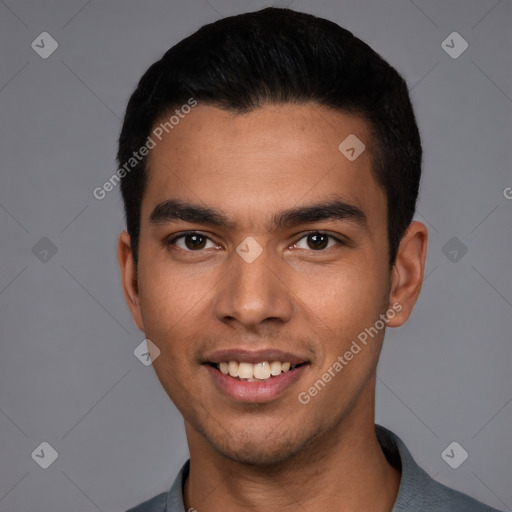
(129,277)
(407,273)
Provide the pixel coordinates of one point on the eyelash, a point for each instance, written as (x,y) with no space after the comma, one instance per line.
(304,235)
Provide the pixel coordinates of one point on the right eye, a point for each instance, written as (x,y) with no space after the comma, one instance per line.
(191,241)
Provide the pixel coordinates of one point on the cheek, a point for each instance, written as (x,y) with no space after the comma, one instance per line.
(171,304)
(166,288)
(346,298)
(348,305)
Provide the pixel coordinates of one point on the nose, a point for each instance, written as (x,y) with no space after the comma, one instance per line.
(254,293)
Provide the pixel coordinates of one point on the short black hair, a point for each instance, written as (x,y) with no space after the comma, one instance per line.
(242,62)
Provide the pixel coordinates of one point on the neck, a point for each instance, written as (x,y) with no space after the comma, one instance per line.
(347,467)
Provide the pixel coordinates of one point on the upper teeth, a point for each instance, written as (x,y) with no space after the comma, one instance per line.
(259,371)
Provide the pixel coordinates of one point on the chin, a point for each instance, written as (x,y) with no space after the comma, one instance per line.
(261,448)
(256,454)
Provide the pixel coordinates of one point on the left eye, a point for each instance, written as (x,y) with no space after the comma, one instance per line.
(317,241)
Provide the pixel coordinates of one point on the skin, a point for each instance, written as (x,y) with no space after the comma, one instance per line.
(293,297)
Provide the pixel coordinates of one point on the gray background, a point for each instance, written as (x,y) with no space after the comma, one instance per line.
(68,375)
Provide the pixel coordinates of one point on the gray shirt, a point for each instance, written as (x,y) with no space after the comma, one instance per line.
(418,492)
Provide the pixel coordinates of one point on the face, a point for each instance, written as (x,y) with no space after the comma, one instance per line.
(262,244)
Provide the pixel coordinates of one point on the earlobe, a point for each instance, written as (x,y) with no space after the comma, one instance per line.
(129,279)
(408,272)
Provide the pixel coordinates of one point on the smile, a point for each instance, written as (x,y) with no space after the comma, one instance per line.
(249,372)
(245,386)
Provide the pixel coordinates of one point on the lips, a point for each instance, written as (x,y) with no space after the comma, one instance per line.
(254,376)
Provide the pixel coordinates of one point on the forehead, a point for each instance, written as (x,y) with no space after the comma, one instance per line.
(275,155)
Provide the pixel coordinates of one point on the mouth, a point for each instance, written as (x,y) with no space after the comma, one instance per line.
(259,372)
(254,377)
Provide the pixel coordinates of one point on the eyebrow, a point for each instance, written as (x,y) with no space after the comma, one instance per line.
(176,210)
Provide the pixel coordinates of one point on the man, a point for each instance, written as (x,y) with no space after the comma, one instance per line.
(270,168)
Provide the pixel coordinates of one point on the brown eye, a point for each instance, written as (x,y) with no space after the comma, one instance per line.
(195,241)
(191,242)
(317,241)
